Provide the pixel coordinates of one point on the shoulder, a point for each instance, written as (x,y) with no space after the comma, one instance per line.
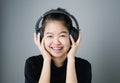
(82,62)
(34,59)
(33,66)
(83,70)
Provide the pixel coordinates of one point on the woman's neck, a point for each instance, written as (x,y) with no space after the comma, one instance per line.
(59,61)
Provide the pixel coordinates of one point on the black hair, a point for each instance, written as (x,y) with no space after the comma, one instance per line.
(67,22)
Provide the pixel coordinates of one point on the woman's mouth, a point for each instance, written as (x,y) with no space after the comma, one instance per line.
(57,48)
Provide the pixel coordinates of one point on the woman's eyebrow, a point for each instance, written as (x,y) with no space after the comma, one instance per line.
(48,33)
(65,32)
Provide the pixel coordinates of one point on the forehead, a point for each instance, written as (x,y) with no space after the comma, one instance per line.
(55,26)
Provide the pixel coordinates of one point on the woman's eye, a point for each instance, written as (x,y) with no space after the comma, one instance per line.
(49,36)
(63,35)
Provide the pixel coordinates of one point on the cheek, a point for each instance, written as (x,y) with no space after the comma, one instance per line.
(66,42)
(46,43)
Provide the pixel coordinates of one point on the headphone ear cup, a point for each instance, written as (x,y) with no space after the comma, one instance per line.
(74,32)
(37,30)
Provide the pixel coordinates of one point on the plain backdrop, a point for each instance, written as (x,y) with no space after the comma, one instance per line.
(99,23)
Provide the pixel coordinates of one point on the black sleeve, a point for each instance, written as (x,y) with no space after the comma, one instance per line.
(88,73)
(32,70)
(84,72)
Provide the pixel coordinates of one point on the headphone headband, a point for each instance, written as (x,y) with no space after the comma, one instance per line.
(59,11)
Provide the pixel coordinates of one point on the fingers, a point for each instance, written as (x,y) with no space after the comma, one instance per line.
(37,39)
(79,38)
(72,40)
(41,46)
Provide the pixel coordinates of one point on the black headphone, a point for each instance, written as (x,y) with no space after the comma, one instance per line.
(74,30)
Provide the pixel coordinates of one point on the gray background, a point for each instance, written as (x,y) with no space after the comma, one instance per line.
(99,22)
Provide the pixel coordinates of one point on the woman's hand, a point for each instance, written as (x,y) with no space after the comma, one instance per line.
(74,46)
(71,76)
(41,47)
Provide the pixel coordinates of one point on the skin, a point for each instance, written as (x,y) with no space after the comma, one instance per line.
(56,45)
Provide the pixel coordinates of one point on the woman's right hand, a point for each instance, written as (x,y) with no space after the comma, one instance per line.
(41,47)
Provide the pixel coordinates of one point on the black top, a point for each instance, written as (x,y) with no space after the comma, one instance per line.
(33,67)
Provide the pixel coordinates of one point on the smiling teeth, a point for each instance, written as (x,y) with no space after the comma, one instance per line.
(56,48)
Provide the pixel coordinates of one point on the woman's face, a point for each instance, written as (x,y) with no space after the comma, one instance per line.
(56,39)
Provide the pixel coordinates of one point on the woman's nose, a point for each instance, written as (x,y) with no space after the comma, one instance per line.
(56,41)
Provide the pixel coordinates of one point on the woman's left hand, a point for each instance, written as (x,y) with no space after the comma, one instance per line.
(74,46)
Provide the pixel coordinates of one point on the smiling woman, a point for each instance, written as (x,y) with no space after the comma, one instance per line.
(57,39)
(58,42)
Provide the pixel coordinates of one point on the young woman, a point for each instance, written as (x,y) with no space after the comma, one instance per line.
(57,62)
